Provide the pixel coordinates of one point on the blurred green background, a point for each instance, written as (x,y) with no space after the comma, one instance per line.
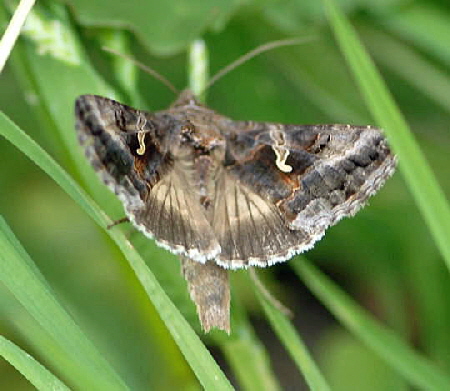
(384,257)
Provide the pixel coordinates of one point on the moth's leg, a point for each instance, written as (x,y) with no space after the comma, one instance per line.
(209,289)
(117,222)
(268,295)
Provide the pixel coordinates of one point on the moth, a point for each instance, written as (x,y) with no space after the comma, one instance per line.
(225,194)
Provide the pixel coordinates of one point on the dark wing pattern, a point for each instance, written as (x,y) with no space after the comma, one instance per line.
(108,132)
(286,184)
(175,218)
(280,186)
(249,228)
(233,193)
(154,188)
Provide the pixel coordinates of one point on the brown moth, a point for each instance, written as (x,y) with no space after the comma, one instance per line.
(225,194)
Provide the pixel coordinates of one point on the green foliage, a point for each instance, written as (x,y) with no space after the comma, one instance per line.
(97,313)
(293,343)
(82,364)
(31,369)
(389,346)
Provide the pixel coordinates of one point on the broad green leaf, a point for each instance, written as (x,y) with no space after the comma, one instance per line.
(36,373)
(165,27)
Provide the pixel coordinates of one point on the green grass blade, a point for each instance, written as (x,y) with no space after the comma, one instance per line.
(293,344)
(198,69)
(416,369)
(36,374)
(425,24)
(84,365)
(198,357)
(420,72)
(256,373)
(415,169)
(244,346)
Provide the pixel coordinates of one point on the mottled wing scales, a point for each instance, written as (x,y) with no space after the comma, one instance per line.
(279,189)
(157,197)
(209,289)
(340,185)
(328,172)
(106,141)
(229,194)
(175,218)
(251,231)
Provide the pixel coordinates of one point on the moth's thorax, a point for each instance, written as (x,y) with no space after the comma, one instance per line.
(200,146)
(206,149)
(198,122)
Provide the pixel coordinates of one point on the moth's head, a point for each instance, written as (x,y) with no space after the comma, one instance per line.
(186,98)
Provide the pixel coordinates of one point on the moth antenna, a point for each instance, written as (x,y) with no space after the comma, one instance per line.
(145,68)
(253,53)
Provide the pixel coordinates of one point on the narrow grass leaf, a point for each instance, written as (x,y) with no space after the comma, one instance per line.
(418,175)
(246,355)
(249,362)
(198,357)
(426,24)
(419,71)
(36,373)
(418,370)
(293,343)
(85,366)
